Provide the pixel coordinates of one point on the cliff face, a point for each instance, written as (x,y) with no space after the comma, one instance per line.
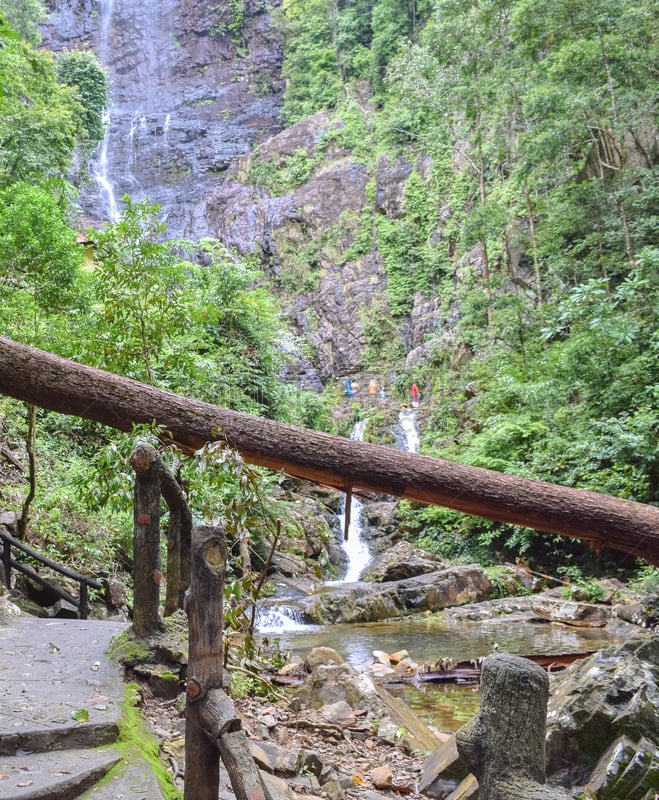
(192,87)
(195,99)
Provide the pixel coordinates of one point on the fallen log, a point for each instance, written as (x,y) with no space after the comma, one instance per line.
(60,385)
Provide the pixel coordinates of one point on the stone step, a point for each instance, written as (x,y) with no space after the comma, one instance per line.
(58,775)
(132,778)
(58,688)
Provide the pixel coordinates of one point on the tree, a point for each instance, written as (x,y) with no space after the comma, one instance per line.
(310,61)
(39,117)
(82,70)
(39,253)
(25,16)
(196,324)
(43,379)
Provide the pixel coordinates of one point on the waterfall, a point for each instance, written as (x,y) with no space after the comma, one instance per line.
(410,431)
(99,168)
(130,158)
(355,547)
(279,620)
(100,172)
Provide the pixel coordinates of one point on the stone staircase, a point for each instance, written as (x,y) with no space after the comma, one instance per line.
(61,714)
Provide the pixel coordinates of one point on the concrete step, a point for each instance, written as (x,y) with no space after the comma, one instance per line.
(58,775)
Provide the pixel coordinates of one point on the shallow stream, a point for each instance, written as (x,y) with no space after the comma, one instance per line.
(429,638)
(426,638)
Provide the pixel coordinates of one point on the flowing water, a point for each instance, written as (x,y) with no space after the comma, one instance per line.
(426,638)
(355,547)
(410,432)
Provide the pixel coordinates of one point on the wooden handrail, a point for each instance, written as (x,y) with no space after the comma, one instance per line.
(10,563)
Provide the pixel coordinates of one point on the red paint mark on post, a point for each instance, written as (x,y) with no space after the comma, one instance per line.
(144,519)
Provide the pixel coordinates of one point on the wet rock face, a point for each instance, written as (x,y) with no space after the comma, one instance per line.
(190,91)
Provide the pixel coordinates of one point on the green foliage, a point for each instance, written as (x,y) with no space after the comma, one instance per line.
(197,326)
(591,590)
(39,116)
(284,176)
(646,580)
(39,253)
(310,65)
(25,16)
(82,70)
(234,25)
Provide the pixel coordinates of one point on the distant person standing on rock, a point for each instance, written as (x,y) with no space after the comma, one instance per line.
(372,389)
(415,394)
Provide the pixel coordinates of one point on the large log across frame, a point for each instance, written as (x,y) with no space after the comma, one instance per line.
(57,384)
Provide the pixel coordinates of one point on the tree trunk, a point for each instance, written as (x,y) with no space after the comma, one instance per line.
(504,744)
(178,542)
(31,447)
(59,385)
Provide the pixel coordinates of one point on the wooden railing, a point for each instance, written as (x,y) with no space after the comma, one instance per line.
(10,562)
(196,567)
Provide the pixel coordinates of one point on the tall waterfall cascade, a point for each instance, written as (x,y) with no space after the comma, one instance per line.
(183,104)
(407,419)
(355,547)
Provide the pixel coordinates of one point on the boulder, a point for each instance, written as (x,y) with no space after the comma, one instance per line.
(624,767)
(7,608)
(611,697)
(333,683)
(368,602)
(584,615)
(400,562)
(322,656)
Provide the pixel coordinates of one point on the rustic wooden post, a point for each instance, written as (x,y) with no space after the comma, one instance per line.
(204,606)
(178,542)
(146,540)
(504,744)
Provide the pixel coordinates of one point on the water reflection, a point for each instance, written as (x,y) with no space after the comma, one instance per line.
(445,708)
(428,639)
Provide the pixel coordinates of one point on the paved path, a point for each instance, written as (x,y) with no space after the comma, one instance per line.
(60,704)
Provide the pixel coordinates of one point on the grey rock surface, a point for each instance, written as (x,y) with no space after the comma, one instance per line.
(61,774)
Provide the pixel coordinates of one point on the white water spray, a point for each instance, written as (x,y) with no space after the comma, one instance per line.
(100,167)
(100,173)
(408,424)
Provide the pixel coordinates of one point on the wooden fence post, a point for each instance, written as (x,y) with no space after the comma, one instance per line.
(204,606)
(178,542)
(146,540)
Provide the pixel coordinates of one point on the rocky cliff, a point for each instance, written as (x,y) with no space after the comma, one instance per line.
(193,125)
(193,86)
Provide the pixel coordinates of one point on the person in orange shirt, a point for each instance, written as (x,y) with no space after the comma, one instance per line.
(415,394)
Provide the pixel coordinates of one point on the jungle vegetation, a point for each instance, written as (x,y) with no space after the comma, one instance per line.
(530,213)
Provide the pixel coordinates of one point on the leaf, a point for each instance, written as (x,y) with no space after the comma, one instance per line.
(80,715)
(360,780)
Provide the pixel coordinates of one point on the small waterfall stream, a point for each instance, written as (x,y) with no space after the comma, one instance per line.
(407,419)
(355,547)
